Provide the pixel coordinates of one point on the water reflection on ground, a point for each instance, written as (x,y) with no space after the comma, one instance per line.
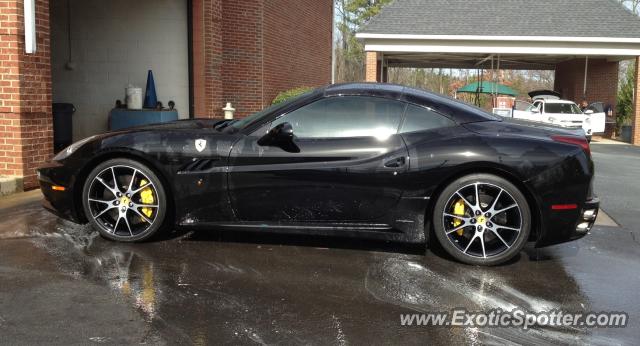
(213,287)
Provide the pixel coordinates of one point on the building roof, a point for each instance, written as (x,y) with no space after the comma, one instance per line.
(539,18)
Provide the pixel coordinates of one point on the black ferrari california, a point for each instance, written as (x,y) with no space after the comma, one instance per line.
(358,160)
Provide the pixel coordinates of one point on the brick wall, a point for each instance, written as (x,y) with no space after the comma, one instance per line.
(211,68)
(26,129)
(602,80)
(253,49)
(242,55)
(297,45)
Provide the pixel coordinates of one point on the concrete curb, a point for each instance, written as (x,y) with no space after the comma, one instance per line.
(10,185)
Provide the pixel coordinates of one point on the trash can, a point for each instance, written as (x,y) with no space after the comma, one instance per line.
(62,125)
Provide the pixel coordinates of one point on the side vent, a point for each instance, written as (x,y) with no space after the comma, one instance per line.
(198,165)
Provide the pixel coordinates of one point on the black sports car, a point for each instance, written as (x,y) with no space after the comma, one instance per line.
(374,160)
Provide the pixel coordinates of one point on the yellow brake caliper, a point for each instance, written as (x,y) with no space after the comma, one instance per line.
(458,209)
(146,196)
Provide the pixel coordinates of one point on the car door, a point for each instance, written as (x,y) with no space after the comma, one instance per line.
(344,164)
(521,109)
(532,113)
(539,115)
(597,117)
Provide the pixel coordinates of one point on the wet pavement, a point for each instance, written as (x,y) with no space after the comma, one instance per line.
(60,283)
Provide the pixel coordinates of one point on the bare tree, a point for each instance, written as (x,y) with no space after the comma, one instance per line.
(633,5)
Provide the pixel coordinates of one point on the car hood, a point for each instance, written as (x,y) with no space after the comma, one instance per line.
(566,116)
(189,124)
(207,125)
(177,136)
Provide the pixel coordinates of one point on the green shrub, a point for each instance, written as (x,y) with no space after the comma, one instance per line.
(624,107)
(283,96)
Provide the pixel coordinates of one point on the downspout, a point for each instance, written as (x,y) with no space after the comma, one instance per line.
(30,41)
(333,44)
(381,67)
(493,86)
(586,70)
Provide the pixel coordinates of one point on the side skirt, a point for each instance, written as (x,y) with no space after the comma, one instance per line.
(351,230)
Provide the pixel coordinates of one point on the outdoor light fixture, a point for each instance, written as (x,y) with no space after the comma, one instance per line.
(30,26)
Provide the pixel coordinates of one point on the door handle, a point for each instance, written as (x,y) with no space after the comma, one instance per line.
(395,163)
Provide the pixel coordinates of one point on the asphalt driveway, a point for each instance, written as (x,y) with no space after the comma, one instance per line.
(618,183)
(62,284)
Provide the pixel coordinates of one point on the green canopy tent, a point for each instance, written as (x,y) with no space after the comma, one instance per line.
(486,87)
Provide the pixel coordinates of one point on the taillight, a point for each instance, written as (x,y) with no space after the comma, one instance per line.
(579,141)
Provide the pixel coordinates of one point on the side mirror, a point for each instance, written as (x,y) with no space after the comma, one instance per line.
(535,110)
(280,136)
(588,112)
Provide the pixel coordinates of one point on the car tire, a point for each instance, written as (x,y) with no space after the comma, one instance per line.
(474,235)
(133,214)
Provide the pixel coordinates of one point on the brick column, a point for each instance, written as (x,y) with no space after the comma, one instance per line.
(372,72)
(26,124)
(635,126)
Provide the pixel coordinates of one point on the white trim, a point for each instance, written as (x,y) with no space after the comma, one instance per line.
(30,42)
(503,49)
(499,38)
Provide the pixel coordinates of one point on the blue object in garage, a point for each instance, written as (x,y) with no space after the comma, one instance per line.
(120,118)
(150,96)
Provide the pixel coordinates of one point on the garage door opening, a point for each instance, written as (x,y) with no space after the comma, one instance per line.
(99,47)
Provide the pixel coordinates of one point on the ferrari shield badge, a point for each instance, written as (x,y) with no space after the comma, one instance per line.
(201,144)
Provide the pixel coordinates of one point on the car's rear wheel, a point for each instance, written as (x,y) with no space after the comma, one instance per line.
(482,219)
(124,200)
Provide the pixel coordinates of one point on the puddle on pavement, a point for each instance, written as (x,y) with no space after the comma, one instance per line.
(163,286)
(442,286)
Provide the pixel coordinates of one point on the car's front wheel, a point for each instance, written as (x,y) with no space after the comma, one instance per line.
(124,200)
(482,219)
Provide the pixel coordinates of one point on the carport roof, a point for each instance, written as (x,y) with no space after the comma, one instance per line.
(522,34)
(542,18)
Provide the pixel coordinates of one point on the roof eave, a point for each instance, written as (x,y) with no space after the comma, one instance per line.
(530,45)
(365,36)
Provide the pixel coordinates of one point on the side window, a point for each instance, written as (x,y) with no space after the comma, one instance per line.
(597,107)
(345,116)
(522,106)
(421,119)
(538,105)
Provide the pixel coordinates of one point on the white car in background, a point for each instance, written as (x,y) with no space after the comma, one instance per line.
(547,107)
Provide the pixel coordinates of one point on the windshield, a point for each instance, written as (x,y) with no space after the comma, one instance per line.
(532,107)
(522,105)
(562,108)
(256,117)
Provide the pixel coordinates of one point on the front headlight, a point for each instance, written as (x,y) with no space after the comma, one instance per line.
(72,148)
